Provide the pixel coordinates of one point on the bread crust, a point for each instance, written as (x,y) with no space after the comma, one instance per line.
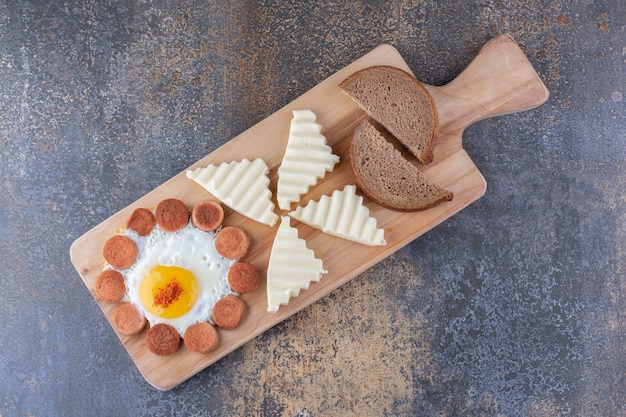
(426,156)
(366,185)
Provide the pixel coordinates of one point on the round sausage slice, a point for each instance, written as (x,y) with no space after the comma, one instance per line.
(201,337)
(171,214)
(110,286)
(207,215)
(229,312)
(243,277)
(127,320)
(162,339)
(141,221)
(232,242)
(120,252)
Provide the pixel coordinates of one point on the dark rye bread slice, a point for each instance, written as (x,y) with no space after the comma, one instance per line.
(396,100)
(386,177)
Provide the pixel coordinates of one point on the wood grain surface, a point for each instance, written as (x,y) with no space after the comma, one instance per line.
(500,80)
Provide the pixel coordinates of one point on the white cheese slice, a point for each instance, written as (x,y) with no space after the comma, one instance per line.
(241,185)
(292,267)
(307,159)
(343,215)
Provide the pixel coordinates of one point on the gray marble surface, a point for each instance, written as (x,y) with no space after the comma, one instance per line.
(514,307)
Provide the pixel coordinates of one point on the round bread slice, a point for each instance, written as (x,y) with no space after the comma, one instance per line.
(399,102)
(386,177)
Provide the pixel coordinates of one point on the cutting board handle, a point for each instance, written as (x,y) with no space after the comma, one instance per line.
(500,80)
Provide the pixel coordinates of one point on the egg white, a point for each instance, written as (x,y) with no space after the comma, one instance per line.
(189,248)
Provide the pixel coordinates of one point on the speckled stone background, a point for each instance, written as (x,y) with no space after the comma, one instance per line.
(514,307)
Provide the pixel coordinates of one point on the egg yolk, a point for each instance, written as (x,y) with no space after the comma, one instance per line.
(168,291)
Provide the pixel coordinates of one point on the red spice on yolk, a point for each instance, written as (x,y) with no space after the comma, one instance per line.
(168,294)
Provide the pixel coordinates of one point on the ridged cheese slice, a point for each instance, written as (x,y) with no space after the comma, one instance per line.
(243,186)
(307,159)
(292,267)
(343,215)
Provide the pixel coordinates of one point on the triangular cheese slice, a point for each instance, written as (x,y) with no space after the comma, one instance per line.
(243,186)
(343,215)
(307,158)
(292,266)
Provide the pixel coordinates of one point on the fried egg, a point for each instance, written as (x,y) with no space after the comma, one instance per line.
(177,277)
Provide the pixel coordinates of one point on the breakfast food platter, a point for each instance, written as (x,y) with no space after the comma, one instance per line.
(500,80)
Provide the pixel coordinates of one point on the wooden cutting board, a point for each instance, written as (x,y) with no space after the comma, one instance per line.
(500,80)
